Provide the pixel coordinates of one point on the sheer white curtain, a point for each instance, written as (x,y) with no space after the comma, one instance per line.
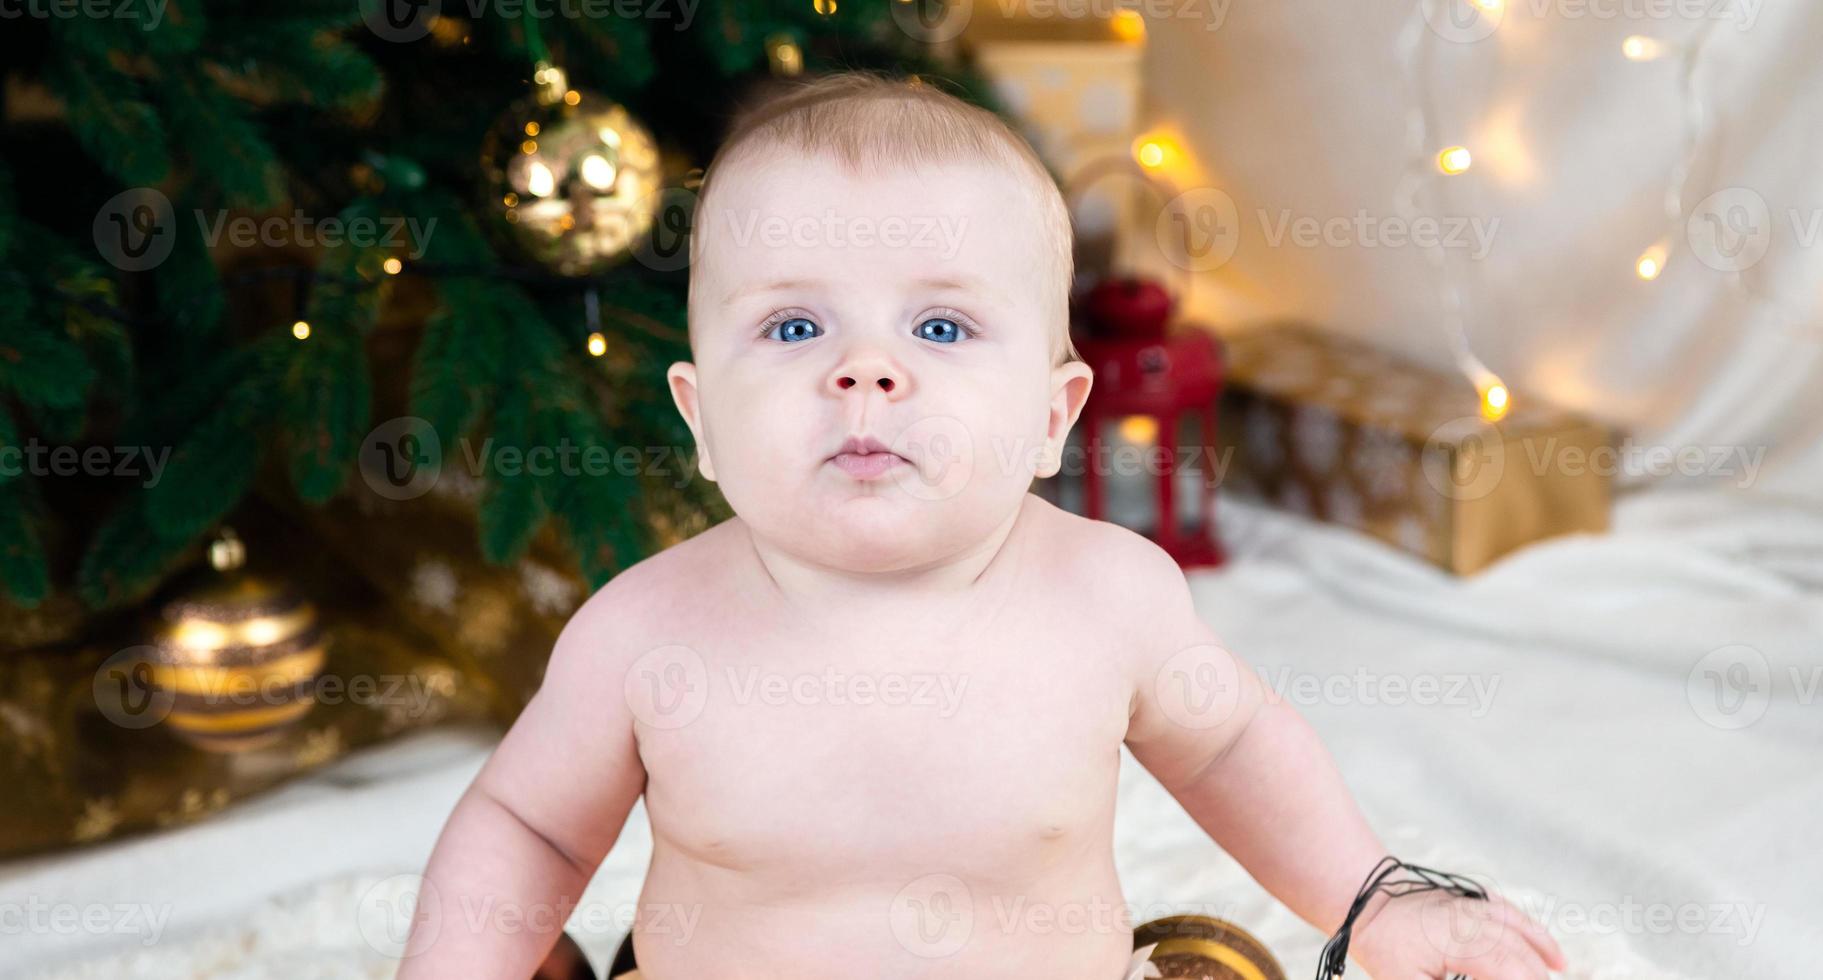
(1298,110)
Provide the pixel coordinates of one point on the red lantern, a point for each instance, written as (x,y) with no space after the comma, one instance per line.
(1158,395)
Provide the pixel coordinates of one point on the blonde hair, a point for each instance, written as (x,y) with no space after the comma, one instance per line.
(871,123)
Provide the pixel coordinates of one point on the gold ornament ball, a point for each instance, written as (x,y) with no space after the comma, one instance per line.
(1205,948)
(239,655)
(575,179)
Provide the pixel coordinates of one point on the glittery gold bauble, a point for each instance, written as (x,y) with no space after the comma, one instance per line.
(574,178)
(1197,946)
(238,654)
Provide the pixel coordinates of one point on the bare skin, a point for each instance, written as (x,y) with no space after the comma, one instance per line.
(876,718)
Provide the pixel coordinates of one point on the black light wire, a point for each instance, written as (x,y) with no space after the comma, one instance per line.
(1334,958)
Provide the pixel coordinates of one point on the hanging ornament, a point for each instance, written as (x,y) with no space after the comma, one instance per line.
(1197,946)
(239,655)
(574,178)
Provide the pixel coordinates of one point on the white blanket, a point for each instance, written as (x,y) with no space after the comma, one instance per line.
(1541,727)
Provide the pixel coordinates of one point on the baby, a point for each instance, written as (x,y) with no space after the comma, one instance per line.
(877,716)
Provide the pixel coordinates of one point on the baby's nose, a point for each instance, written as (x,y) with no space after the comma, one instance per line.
(870,372)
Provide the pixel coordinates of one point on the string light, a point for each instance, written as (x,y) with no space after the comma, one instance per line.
(598,344)
(1638,47)
(1151,152)
(301,330)
(392,266)
(1495,398)
(1453,160)
(1129,26)
(1651,262)
(1494,401)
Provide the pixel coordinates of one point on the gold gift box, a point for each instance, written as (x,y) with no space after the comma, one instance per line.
(1345,433)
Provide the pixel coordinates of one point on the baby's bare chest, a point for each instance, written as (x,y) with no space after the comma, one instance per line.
(991,754)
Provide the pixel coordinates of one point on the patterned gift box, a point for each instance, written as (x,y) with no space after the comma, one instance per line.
(1336,430)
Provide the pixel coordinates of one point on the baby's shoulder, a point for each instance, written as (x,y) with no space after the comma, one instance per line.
(642,605)
(1118,565)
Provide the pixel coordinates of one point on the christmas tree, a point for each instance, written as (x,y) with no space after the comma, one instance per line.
(207,208)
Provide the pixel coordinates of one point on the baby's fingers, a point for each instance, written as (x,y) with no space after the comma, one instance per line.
(1510,916)
(1510,958)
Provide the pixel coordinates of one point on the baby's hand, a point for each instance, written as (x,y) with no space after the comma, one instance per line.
(1439,935)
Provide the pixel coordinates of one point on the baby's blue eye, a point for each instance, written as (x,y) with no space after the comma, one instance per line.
(945,330)
(794,330)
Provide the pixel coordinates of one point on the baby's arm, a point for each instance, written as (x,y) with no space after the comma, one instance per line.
(1246,767)
(528,834)
(1256,778)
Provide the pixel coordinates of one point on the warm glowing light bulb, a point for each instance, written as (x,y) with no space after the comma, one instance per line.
(1489,6)
(1495,401)
(1651,262)
(1129,26)
(598,172)
(392,266)
(598,345)
(572,97)
(301,330)
(531,129)
(824,7)
(1139,430)
(1453,160)
(1150,153)
(1638,47)
(539,180)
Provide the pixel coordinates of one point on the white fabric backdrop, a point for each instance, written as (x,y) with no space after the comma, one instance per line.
(1298,108)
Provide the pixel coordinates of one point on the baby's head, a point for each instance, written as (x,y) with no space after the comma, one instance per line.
(877,260)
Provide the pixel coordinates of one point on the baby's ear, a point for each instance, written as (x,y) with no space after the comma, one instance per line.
(682,378)
(1070,383)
